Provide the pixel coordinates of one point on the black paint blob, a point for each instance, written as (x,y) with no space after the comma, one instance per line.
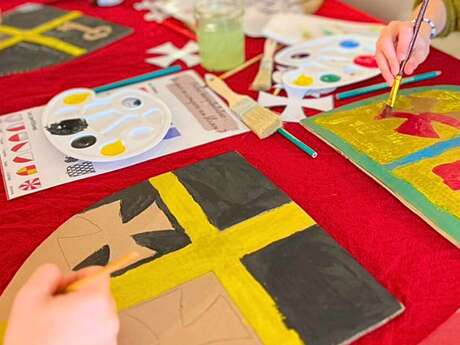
(67,127)
(84,142)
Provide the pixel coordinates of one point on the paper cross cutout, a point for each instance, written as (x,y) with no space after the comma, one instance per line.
(170,53)
(295,103)
(155,12)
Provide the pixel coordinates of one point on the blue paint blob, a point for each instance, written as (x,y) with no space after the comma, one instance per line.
(349,44)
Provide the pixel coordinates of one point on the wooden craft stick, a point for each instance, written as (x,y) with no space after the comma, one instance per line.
(109,269)
(248,63)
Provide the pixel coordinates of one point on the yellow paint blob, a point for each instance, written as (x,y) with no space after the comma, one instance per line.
(303,80)
(114,149)
(77,98)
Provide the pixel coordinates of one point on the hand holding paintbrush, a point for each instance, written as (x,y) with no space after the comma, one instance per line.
(397,81)
(52,308)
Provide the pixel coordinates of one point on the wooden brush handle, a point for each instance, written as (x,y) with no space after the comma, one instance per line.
(417,25)
(222,89)
(269,49)
(109,269)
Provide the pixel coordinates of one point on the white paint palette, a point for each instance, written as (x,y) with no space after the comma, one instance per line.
(105,128)
(329,62)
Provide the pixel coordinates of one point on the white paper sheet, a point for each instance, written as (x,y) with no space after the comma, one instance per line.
(29,163)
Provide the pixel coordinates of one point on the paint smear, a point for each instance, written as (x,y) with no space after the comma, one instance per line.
(303,80)
(77,98)
(114,149)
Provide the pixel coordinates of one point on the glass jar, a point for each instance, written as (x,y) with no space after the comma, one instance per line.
(219,27)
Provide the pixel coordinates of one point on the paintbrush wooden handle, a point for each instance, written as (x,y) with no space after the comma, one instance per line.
(222,89)
(417,25)
(109,269)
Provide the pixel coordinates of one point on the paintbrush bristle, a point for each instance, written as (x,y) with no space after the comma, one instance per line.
(260,120)
(263,81)
(387,111)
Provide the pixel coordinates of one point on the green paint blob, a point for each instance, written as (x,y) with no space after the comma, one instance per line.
(330,78)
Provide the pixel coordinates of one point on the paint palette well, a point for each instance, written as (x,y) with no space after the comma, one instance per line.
(329,62)
(106,128)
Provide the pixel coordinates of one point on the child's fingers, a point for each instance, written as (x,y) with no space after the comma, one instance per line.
(417,57)
(43,283)
(75,276)
(405,33)
(385,46)
(384,68)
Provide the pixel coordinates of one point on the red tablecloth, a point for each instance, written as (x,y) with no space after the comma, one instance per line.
(406,255)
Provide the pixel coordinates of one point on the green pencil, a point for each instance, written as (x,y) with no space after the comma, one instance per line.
(383,86)
(304,147)
(138,79)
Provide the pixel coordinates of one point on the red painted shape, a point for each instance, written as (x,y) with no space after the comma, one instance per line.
(16,127)
(366,61)
(447,334)
(21,147)
(19,137)
(450,173)
(421,125)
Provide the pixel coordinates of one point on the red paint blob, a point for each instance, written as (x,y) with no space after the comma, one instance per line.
(450,173)
(367,61)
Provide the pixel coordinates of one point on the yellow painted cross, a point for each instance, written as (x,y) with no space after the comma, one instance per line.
(35,35)
(219,252)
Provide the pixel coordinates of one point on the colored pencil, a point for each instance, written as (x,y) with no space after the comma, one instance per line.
(109,269)
(383,86)
(138,79)
(301,145)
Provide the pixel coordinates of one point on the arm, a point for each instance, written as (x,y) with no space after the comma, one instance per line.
(41,315)
(393,44)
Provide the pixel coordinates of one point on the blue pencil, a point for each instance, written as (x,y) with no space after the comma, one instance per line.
(383,86)
(138,79)
(304,147)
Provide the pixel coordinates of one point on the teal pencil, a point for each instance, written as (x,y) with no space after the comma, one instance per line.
(138,79)
(383,86)
(304,147)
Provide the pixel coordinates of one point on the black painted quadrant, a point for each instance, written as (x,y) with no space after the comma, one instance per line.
(324,295)
(230,190)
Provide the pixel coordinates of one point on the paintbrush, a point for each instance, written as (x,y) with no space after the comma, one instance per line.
(109,269)
(263,80)
(397,82)
(261,121)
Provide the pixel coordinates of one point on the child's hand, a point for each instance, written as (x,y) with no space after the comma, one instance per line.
(393,46)
(40,316)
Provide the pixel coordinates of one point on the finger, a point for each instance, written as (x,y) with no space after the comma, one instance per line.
(405,33)
(43,283)
(76,276)
(384,68)
(387,48)
(418,56)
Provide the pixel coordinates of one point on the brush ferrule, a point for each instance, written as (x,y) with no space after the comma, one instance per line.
(394,91)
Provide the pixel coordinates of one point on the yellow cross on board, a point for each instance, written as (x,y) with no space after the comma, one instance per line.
(35,35)
(219,252)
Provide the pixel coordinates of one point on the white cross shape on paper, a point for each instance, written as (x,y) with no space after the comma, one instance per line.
(155,12)
(295,103)
(170,53)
